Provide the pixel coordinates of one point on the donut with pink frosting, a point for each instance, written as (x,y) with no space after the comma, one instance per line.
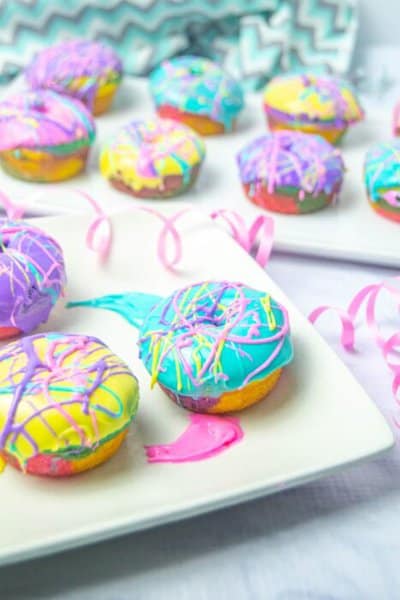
(44,136)
(90,71)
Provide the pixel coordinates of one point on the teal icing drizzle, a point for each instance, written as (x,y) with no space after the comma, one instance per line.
(382,169)
(198,86)
(207,338)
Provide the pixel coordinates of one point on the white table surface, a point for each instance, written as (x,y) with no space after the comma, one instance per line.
(334,539)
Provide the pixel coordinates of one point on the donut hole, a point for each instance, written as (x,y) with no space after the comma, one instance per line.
(4,244)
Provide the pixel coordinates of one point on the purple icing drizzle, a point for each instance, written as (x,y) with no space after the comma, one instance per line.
(32,275)
(292,159)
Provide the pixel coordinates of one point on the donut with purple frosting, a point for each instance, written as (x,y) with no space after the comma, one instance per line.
(32,277)
(291,172)
(87,70)
(44,136)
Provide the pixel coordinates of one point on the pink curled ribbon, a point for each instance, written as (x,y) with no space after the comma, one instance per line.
(368,297)
(257,240)
(13,211)
(99,235)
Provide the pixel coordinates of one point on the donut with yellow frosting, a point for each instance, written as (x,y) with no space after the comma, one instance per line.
(66,402)
(321,105)
(156,158)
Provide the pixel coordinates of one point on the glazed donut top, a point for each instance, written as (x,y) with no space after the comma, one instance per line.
(382,172)
(313,98)
(45,120)
(32,275)
(61,66)
(62,393)
(197,86)
(214,337)
(292,159)
(145,152)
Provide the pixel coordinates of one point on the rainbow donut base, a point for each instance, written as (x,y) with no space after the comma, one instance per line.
(332,134)
(104,97)
(199,123)
(229,401)
(53,465)
(384,209)
(7,333)
(172,185)
(40,166)
(287,200)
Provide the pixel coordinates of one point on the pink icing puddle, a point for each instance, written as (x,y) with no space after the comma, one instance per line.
(205,436)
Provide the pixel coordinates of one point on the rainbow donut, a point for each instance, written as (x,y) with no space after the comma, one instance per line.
(156,158)
(32,277)
(44,136)
(291,172)
(216,347)
(86,70)
(66,403)
(313,104)
(382,178)
(196,92)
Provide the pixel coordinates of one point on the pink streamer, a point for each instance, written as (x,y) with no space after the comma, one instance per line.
(99,234)
(368,297)
(14,211)
(256,240)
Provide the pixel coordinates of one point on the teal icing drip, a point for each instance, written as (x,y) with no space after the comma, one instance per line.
(133,306)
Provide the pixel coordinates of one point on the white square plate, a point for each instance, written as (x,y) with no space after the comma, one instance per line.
(317,419)
(348,231)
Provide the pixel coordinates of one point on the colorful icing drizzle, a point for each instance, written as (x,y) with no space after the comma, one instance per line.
(77,67)
(207,338)
(145,152)
(62,394)
(291,159)
(47,121)
(32,275)
(197,86)
(382,174)
(310,98)
(205,437)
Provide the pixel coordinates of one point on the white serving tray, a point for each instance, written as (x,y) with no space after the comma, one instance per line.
(348,231)
(317,420)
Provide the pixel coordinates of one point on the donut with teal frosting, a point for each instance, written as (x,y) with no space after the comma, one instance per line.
(382,178)
(213,347)
(291,172)
(155,158)
(197,92)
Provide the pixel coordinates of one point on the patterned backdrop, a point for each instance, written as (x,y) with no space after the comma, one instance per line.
(253,38)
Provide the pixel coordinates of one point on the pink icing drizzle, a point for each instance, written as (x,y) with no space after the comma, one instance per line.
(205,436)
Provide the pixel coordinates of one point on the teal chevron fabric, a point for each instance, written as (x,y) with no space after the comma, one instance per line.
(254,39)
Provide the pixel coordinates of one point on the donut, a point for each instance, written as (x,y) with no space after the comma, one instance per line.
(87,70)
(44,136)
(156,158)
(216,346)
(321,105)
(66,403)
(382,178)
(32,277)
(197,92)
(291,172)
(396,120)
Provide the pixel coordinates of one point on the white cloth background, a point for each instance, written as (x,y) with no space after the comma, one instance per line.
(335,539)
